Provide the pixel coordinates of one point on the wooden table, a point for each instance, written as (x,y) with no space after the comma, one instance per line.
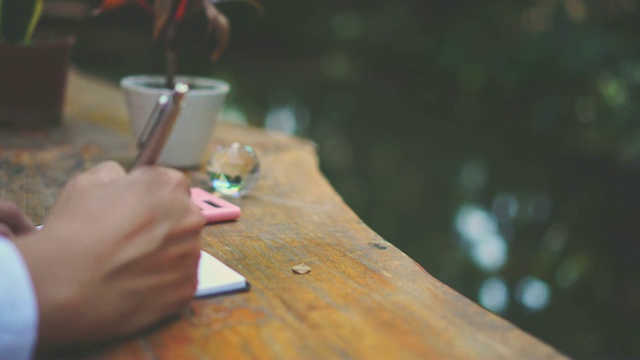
(363,299)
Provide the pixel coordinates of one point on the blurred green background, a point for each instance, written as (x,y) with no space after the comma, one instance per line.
(495,142)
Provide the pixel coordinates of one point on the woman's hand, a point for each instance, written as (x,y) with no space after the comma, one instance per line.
(117,253)
(13,222)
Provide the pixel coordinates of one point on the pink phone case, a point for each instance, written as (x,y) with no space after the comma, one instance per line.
(213,208)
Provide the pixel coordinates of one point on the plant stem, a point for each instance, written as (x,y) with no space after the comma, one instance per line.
(171,58)
(1,21)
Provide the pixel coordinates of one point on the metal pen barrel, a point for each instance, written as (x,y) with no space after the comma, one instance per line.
(159,126)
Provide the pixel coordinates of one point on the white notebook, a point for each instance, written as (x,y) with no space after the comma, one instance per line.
(214,277)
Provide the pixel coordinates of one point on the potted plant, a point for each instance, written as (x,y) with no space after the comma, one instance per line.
(33,69)
(192,132)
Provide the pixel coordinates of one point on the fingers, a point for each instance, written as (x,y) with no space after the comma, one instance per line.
(182,280)
(107,171)
(164,177)
(171,192)
(100,175)
(191,220)
(6,231)
(14,221)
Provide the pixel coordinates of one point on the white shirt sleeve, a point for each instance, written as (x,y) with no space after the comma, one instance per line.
(18,305)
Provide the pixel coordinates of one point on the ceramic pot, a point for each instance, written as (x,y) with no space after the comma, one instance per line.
(33,81)
(188,143)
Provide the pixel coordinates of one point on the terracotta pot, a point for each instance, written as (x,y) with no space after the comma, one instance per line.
(33,81)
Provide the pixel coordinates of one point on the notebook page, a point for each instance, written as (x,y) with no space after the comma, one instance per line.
(215,277)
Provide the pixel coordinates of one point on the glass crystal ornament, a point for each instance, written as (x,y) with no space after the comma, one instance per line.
(233,170)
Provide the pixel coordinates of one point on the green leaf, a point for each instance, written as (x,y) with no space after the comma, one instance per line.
(19,19)
(37,12)
(1,37)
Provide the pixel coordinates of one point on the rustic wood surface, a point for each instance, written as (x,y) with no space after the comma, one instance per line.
(363,299)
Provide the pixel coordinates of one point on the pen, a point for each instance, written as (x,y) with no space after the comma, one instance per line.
(158,128)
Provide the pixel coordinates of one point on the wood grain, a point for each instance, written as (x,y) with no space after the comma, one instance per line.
(363,299)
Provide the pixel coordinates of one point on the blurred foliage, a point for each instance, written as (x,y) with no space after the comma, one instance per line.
(496,142)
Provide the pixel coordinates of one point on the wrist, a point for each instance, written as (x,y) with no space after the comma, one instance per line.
(55,289)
